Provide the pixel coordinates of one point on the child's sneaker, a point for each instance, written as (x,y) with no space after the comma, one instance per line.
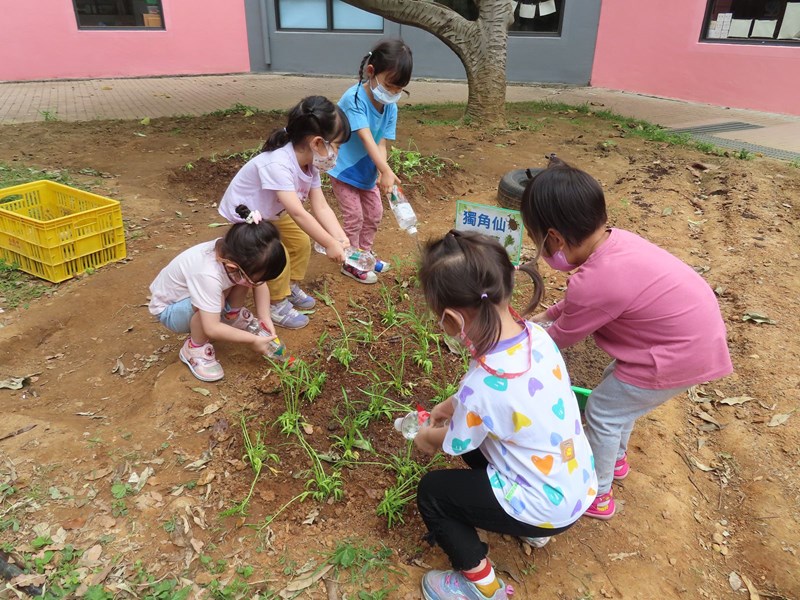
(452,585)
(300,299)
(242,321)
(602,507)
(359,275)
(621,467)
(536,542)
(201,361)
(381,266)
(285,315)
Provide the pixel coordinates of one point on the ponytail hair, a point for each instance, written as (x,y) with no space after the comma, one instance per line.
(391,56)
(312,116)
(256,247)
(470,271)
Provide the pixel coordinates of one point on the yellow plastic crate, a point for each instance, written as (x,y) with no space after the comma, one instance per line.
(55,232)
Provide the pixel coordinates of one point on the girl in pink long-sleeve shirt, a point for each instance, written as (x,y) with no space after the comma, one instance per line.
(651,312)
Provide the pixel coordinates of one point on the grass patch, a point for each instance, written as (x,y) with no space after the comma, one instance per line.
(12,175)
(240,109)
(411,163)
(17,288)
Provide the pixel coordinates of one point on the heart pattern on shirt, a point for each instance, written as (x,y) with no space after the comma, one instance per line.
(545,465)
(496,383)
(554,494)
(473,419)
(534,385)
(520,421)
(558,409)
(557,372)
(460,445)
(466,392)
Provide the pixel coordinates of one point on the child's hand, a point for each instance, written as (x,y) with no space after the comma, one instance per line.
(428,440)
(540,317)
(386,180)
(335,252)
(441,413)
(261,344)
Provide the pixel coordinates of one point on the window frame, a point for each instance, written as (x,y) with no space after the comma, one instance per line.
(704,39)
(120,27)
(544,34)
(329,17)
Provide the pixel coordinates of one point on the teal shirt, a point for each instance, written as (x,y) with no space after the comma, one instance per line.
(353,165)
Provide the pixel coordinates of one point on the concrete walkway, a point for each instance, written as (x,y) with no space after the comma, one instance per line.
(83,100)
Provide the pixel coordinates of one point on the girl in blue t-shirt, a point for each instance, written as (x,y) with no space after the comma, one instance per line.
(362,172)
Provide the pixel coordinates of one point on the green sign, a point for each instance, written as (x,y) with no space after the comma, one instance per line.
(500,223)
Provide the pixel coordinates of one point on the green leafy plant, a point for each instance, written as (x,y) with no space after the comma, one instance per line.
(256,454)
(341,350)
(17,288)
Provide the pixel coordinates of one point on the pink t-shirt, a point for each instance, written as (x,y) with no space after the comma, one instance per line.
(647,309)
(257,181)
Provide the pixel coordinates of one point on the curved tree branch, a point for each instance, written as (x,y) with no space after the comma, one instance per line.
(443,22)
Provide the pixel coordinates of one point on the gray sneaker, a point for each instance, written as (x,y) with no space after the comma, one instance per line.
(536,542)
(284,315)
(300,299)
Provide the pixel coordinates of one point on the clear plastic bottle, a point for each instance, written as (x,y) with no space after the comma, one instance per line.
(410,425)
(403,211)
(277,349)
(362,260)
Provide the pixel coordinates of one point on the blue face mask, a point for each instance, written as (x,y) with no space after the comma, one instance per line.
(382,95)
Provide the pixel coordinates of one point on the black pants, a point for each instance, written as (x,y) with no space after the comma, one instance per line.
(453,502)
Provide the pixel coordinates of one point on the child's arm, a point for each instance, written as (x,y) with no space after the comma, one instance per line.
(262,300)
(430,439)
(325,215)
(218,331)
(378,154)
(334,248)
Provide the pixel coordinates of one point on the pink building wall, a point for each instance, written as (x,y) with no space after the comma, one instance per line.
(653,48)
(201,36)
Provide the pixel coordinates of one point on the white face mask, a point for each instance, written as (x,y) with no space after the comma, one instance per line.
(382,95)
(325,163)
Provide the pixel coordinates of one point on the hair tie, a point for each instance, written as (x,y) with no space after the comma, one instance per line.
(369,53)
(484,296)
(254,218)
(284,130)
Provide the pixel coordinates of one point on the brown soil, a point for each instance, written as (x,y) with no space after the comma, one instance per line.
(713,489)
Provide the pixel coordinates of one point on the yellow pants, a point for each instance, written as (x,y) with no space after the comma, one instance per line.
(298,252)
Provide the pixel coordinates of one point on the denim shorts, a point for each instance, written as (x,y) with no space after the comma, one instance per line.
(176,317)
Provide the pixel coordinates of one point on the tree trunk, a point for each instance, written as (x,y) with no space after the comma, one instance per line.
(481,45)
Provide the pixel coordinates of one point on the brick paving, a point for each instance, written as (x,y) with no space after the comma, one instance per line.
(85,100)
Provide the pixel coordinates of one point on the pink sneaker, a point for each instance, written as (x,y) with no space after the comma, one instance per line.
(602,507)
(201,361)
(621,467)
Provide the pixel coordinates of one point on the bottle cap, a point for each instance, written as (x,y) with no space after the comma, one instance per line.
(398,423)
(412,230)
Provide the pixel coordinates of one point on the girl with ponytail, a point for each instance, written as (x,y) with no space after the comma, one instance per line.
(514,421)
(279,183)
(214,277)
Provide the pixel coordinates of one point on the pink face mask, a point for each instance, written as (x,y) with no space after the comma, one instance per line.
(557,260)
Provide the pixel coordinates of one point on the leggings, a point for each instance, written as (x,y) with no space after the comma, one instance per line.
(453,502)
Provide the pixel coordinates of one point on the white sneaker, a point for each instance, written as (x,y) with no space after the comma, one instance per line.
(536,542)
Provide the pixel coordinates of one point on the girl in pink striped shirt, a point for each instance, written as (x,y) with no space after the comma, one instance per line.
(651,312)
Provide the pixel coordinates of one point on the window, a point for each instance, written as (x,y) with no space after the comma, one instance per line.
(752,21)
(530,16)
(115,14)
(325,15)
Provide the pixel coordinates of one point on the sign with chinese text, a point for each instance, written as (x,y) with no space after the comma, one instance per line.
(500,223)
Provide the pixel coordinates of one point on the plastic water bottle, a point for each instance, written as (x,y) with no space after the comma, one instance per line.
(363,260)
(403,211)
(276,349)
(410,425)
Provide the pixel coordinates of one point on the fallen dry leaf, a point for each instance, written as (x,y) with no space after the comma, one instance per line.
(754,595)
(202,391)
(206,477)
(778,419)
(96,474)
(736,400)
(210,409)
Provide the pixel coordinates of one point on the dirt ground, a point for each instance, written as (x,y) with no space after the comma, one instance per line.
(711,505)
